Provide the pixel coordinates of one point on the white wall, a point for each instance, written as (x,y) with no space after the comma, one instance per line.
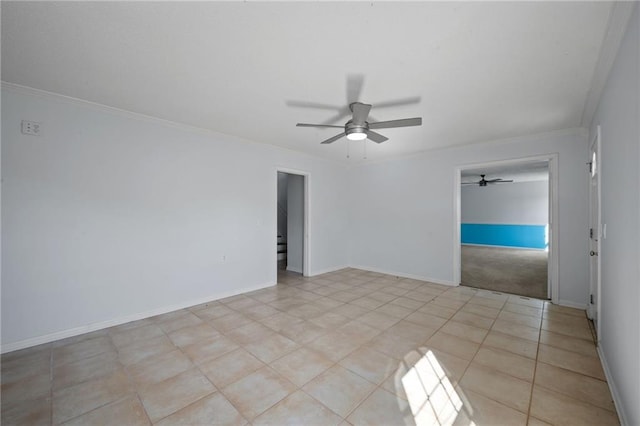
(109,216)
(618,114)
(402,214)
(295,222)
(517,203)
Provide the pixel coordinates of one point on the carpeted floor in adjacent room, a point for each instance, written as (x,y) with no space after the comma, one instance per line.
(516,271)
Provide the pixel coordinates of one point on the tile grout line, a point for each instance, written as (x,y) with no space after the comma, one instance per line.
(298,388)
(535,366)
(402,361)
(480,346)
(176,347)
(197,367)
(143,407)
(477,350)
(379,386)
(337,363)
(130,377)
(119,399)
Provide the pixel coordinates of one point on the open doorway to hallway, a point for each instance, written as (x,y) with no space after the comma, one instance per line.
(291,223)
(504,228)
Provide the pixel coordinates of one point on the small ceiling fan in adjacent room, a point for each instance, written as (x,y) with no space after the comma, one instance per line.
(358,128)
(485,182)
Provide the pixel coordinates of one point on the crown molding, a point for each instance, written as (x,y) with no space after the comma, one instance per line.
(82,103)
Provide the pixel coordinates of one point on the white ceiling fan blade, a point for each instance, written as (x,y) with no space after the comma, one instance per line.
(355,82)
(360,112)
(318,125)
(341,115)
(398,102)
(315,105)
(405,122)
(376,137)
(333,139)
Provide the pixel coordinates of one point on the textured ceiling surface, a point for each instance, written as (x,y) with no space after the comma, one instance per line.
(473,71)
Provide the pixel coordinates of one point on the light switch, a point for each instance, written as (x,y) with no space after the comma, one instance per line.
(30,128)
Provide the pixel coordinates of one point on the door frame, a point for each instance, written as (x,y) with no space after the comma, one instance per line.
(595,283)
(305,232)
(552,267)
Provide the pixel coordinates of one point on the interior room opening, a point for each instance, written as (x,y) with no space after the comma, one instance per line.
(504,228)
(291,214)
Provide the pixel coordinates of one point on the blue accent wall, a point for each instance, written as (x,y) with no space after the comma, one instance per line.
(524,236)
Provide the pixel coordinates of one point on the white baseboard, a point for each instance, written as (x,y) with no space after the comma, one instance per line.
(570,304)
(507,247)
(617,401)
(404,275)
(63,334)
(328,270)
(294,269)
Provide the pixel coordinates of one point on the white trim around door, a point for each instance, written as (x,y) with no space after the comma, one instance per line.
(307,209)
(595,230)
(552,159)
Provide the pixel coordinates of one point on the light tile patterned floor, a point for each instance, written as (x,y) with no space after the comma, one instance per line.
(349,347)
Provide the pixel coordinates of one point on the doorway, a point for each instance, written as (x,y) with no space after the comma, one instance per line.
(292,206)
(505,227)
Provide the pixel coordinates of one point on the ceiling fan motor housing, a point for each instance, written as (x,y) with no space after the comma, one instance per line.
(351,128)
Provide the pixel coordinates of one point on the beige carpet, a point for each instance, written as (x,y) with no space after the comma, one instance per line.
(516,271)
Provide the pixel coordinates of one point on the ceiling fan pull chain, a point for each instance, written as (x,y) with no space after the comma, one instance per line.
(365,149)
(348,148)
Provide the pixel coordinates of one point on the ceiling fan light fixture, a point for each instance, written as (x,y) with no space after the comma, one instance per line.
(356,135)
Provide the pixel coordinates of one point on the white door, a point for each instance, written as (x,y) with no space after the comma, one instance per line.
(595,230)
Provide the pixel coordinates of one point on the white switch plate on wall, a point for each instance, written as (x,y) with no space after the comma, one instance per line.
(30,128)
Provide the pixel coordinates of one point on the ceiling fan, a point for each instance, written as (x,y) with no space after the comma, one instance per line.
(485,182)
(358,128)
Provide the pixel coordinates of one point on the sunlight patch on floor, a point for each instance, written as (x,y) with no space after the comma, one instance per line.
(432,397)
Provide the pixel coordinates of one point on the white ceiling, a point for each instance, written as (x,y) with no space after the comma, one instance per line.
(482,71)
